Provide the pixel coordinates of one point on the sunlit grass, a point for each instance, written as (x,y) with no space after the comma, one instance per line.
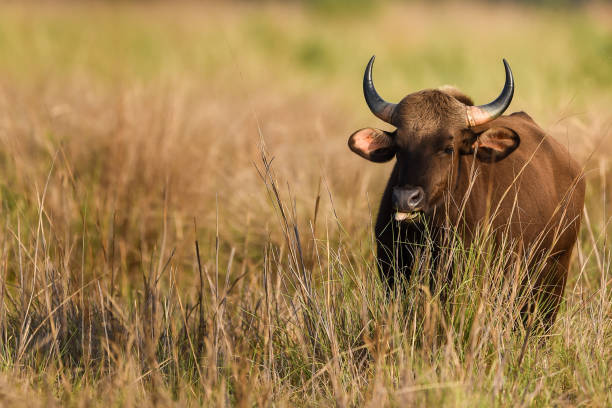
(129,132)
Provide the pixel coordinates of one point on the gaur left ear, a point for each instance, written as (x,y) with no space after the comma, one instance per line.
(496,144)
(373,144)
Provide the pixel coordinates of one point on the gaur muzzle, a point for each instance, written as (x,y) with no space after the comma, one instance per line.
(407,202)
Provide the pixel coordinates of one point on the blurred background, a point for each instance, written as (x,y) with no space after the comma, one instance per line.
(139,117)
(150,105)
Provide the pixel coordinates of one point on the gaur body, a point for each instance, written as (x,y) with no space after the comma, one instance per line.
(464,165)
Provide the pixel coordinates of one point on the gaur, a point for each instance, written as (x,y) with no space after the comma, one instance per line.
(466,165)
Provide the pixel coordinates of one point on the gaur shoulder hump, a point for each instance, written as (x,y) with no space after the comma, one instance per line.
(457,94)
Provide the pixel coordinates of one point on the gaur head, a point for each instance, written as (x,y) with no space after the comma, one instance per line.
(433,128)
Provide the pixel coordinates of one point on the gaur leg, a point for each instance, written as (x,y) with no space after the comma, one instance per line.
(394,252)
(552,287)
(396,246)
(384,232)
(548,291)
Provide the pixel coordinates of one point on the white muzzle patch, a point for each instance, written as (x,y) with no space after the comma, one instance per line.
(402,216)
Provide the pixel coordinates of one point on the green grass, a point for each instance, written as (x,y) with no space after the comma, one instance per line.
(129,131)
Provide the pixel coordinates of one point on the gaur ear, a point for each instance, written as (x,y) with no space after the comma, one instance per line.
(373,144)
(496,144)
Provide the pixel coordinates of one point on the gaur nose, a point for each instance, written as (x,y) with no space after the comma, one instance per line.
(408,199)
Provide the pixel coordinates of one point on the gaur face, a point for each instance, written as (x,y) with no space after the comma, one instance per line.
(433,129)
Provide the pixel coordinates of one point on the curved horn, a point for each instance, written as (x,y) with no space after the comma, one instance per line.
(379,107)
(477,115)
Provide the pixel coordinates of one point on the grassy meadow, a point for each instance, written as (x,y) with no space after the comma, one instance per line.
(183,224)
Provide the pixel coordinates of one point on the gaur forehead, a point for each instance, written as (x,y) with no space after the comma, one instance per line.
(428,112)
(422,139)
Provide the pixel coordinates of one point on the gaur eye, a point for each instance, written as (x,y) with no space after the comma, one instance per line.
(448,150)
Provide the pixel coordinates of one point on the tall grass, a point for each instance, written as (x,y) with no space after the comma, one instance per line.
(183,224)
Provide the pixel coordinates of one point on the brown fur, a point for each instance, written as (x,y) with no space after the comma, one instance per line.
(547,184)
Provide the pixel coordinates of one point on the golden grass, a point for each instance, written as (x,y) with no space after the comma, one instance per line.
(128,132)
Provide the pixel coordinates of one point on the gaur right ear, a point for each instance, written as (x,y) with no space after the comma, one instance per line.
(373,144)
(496,144)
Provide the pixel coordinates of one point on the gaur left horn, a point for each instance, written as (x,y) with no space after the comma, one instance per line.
(379,107)
(477,115)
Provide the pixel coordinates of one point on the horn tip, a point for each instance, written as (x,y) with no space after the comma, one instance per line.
(506,65)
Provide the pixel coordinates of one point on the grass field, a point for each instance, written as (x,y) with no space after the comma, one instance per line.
(182,222)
